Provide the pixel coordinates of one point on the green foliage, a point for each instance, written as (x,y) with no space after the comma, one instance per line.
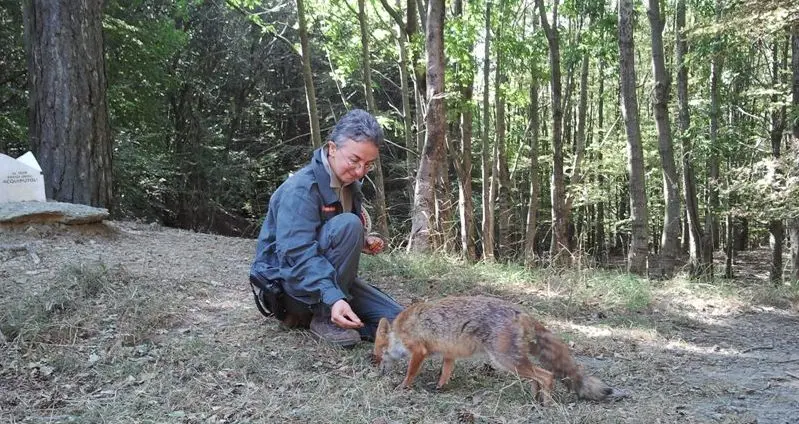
(13,81)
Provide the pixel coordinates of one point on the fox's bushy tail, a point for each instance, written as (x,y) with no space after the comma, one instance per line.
(555,356)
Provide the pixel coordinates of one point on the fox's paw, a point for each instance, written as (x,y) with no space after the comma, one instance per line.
(402,386)
(374,359)
(544,397)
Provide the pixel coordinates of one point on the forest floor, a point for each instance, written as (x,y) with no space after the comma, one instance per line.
(139,323)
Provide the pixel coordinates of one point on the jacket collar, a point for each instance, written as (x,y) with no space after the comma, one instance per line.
(323,180)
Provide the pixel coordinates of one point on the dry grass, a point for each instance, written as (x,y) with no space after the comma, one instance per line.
(158,327)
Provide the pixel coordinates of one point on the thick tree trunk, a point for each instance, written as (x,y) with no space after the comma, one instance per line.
(558,251)
(487,208)
(424,195)
(684,124)
(381,217)
(670,238)
(637,256)
(68,110)
(793,229)
(307,76)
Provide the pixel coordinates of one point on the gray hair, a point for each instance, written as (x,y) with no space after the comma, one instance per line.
(357,125)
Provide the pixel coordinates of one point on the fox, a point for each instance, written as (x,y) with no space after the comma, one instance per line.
(462,326)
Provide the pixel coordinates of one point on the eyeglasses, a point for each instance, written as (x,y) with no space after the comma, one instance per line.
(355,162)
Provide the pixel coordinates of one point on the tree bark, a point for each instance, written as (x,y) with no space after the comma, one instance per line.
(307,76)
(579,145)
(776,227)
(684,125)
(424,194)
(407,113)
(463,162)
(559,245)
(500,181)
(670,237)
(487,208)
(711,192)
(793,229)
(729,247)
(600,252)
(381,223)
(638,253)
(535,185)
(68,111)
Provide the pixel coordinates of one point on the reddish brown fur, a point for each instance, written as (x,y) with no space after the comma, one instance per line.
(459,327)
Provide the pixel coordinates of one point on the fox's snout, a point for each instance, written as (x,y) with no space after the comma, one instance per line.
(384,366)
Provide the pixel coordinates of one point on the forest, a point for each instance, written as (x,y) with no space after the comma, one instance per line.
(626,172)
(661,135)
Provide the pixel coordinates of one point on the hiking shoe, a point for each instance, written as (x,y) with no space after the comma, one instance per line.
(325,330)
(295,321)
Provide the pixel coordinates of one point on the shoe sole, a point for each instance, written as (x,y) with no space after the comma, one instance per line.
(339,343)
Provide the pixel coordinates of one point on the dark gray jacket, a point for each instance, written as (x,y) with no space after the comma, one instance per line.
(287,248)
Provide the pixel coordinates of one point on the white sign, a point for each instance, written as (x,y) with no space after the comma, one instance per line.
(21,179)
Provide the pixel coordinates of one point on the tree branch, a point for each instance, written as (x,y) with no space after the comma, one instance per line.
(257,21)
(394,14)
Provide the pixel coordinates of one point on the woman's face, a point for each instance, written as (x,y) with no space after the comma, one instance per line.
(352,160)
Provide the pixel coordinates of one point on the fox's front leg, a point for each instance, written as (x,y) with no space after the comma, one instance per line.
(446,372)
(417,357)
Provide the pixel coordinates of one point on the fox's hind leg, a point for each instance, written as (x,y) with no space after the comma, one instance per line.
(542,380)
(446,372)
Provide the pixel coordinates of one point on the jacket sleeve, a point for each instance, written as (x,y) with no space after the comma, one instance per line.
(308,272)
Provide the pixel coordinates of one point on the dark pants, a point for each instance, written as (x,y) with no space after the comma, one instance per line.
(341,240)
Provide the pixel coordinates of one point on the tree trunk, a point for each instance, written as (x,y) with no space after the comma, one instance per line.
(637,256)
(776,227)
(670,238)
(560,221)
(463,162)
(600,252)
(424,195)
(411,151)
(488,210)
(500,177)
(793,229)
(381,223)
(579,146)
(307,76)
(684,125)
(68,110)
(445,203)
(729,247)
(535,184)
(711,191)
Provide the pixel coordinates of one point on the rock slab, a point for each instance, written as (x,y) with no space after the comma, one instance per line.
(49,213)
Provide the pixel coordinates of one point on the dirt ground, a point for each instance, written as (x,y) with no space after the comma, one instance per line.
(196,350)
